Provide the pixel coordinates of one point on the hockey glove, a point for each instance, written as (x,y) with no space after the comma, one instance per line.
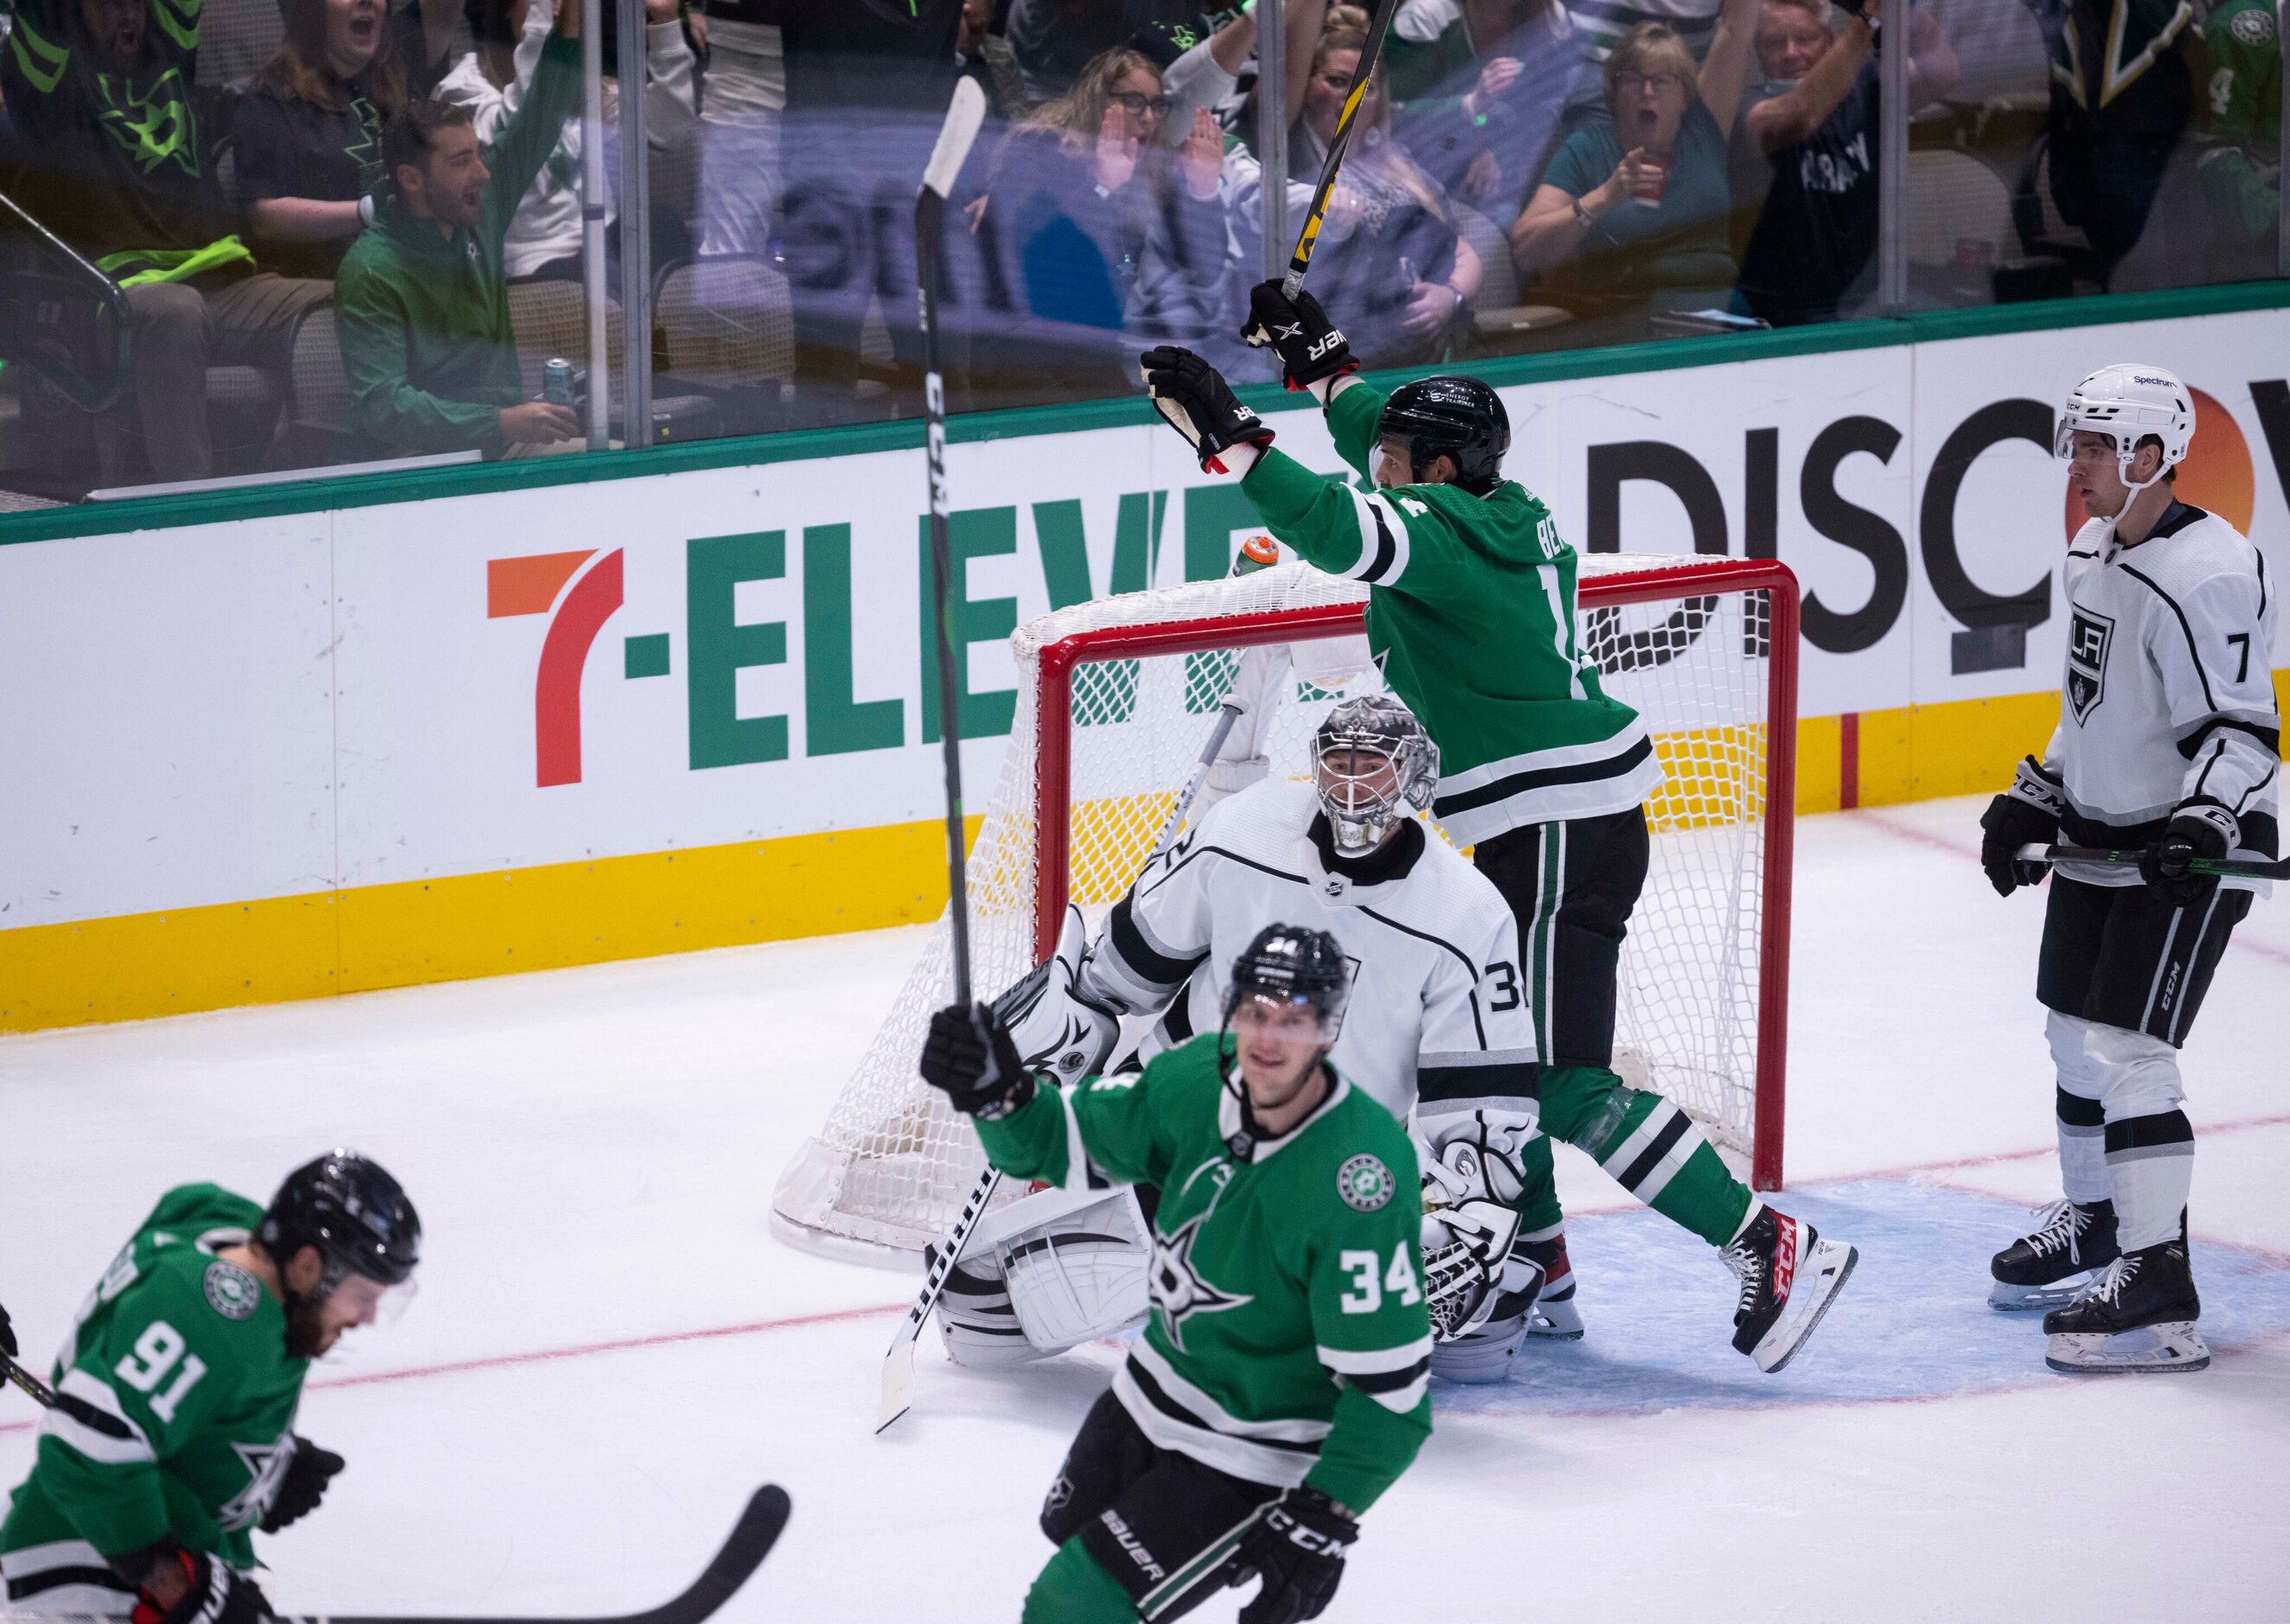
(217,1593)
(1200,405)
(2026,814)
(970,1059)
(1297,1548)
(1310,347)
(2199,829)
(308,1474)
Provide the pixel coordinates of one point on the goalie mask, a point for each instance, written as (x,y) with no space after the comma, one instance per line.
(2128,403)
(1373,764)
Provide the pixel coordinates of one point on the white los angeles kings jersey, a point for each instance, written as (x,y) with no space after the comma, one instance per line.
(1437,1007)
(2169,691)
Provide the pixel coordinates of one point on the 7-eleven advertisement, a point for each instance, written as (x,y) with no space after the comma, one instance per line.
(707,694)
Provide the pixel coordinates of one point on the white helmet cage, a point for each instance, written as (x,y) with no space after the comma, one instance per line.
(1361,809)
(2128,403)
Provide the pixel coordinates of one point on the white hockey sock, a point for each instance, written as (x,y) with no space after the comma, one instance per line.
(2082,1119)
(2150,1145)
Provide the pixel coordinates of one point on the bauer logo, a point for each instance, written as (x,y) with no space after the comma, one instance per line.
(1364,1183)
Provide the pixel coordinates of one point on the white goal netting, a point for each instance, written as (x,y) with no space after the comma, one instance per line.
(1680,638)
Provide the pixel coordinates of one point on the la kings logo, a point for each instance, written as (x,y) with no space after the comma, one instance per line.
(2089,635)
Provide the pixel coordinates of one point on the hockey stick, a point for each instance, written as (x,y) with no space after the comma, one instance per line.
(1355,99)
(751,1541)
(751,1538)
(899,1364)
(85,1413)
(964,115)
(2221,867)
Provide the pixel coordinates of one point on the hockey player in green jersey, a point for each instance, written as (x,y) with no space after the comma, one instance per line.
(2241,161)
(1471,614)
(175,1439)
(1279,1386)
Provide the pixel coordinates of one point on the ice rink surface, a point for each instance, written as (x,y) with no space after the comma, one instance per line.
(609,1350)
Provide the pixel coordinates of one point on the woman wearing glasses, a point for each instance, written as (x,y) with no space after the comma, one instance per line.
(1103,206)
(1634,203)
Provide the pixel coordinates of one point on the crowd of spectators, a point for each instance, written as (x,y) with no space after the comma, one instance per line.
(1602,169)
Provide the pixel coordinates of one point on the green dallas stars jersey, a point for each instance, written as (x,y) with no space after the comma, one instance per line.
(190,1352)
(2241,168)
(1289,1342)
(1471,611)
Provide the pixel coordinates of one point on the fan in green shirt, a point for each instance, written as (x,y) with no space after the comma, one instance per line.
(1471,615)
(173,1437)
(1279,1388)
(421,301)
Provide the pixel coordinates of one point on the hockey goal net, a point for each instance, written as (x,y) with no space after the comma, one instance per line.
(1117,697)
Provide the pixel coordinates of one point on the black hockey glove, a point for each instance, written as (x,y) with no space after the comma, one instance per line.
(7,1336)
(2199,829)
(969,1058)
(308,1474)
(2026,814)
(1297,1549)
(219,1593)
(1200,405)
(1310,347)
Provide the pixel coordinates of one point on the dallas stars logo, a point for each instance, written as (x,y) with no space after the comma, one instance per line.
(1178,1287)
(266,1469)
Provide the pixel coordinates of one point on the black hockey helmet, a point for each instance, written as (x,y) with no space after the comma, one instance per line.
(1292,964)
(352,1212)
(1453,416)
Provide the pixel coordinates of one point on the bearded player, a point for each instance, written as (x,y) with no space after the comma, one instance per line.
(1280,1386)
(176,1438)
(2170,744)
(1471,613)
(1438,1029)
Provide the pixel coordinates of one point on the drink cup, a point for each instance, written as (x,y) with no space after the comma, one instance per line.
(1654,176)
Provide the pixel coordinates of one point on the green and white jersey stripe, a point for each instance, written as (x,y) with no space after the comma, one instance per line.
(1289,1339)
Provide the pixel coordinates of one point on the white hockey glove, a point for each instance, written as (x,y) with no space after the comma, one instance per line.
(1056,1027)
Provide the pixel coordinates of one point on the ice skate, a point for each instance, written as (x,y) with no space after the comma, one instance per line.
(2048,1268)
(2139,1316)
(1789,1275)
(1554,1315)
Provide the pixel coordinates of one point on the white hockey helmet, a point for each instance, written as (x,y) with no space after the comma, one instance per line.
(2126,402)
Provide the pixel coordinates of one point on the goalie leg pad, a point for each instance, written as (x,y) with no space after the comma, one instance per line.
(1076,1264)
(975,1320)
(1481,1355)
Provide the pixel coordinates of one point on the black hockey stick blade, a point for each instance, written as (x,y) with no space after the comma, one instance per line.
(1338,143)
(2221,868)
(752,1537)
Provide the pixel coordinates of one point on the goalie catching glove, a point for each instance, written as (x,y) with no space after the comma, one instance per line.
(969,1058)
(1297,1549)
(1200,405)
(1312,348)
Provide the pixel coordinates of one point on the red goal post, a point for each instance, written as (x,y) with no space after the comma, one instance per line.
(1701,576)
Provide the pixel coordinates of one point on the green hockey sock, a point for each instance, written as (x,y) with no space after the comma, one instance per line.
(1649,1146)
(1073,1590)
(1538,1196)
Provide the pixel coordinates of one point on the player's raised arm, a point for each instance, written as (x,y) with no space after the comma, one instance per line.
(1102,1126)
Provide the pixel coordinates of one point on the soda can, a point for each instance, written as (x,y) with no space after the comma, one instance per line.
(556,383)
